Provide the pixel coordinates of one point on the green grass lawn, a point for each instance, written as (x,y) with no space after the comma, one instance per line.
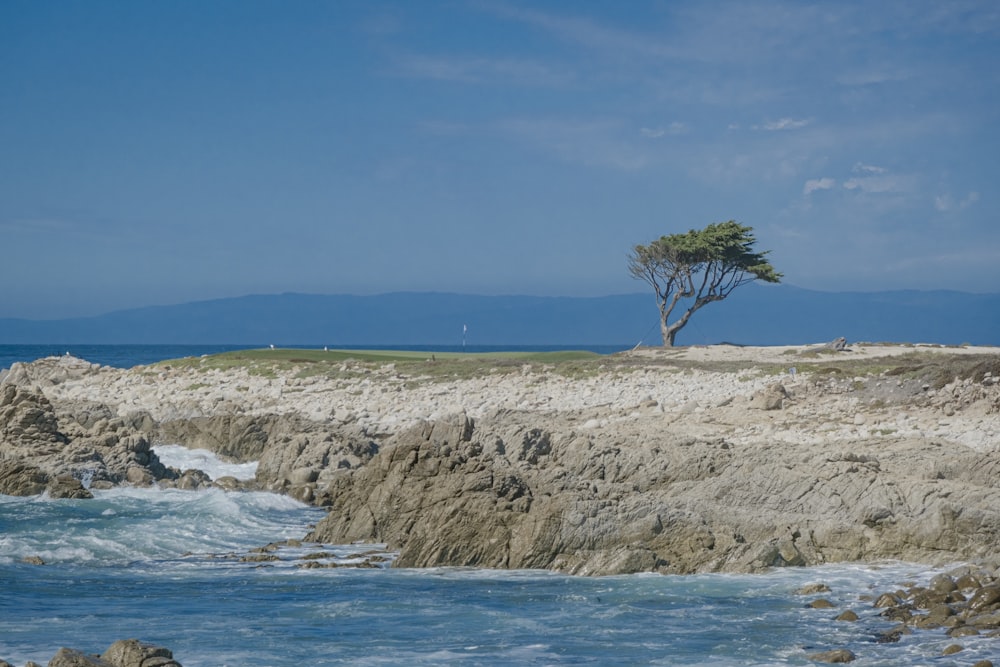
(429,365)
(394,356)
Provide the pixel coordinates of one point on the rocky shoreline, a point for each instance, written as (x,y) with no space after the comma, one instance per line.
(719,459)
(674,461)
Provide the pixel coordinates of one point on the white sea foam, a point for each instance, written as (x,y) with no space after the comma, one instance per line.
(127,525)
(183,458)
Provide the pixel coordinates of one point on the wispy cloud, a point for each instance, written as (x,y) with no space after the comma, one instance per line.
(862,168)
(873,179)
(946,202)
(813,184)
(870,76)
(673,129)
(869,192)
(782,124)
(877,184)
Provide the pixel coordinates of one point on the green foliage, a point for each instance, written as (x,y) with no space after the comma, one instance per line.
(703,265)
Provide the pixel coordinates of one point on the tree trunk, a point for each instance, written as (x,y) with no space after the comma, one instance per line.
(669,333)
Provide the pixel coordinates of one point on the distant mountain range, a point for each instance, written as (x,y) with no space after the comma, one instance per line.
(753,315)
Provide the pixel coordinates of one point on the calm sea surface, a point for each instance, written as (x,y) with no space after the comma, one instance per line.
(163,566)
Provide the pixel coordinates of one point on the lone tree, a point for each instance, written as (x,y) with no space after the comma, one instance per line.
(705,266)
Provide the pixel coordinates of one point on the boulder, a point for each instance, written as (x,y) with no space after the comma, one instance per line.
(985,598)
(27,418)
(18,478)
(68,657)
(192,479)
(67,486)
(835,656)
(837,344)
(942,583)
(772,398)
(134,653)
(812,589)
(228,483)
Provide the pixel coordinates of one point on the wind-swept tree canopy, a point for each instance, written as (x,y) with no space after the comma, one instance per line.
(698,267)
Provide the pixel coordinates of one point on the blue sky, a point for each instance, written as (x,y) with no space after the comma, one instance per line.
(162,152)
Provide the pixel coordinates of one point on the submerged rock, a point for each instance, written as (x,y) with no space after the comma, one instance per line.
(835,656)
(957,617)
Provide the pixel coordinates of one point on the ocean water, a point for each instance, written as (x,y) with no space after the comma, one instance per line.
(164,566)
(153,564)
(127,356)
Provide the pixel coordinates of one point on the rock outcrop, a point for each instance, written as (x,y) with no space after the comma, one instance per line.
(48,447)
(294,455)
(656,460)
(515,491)
(19,478)
(123,653)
